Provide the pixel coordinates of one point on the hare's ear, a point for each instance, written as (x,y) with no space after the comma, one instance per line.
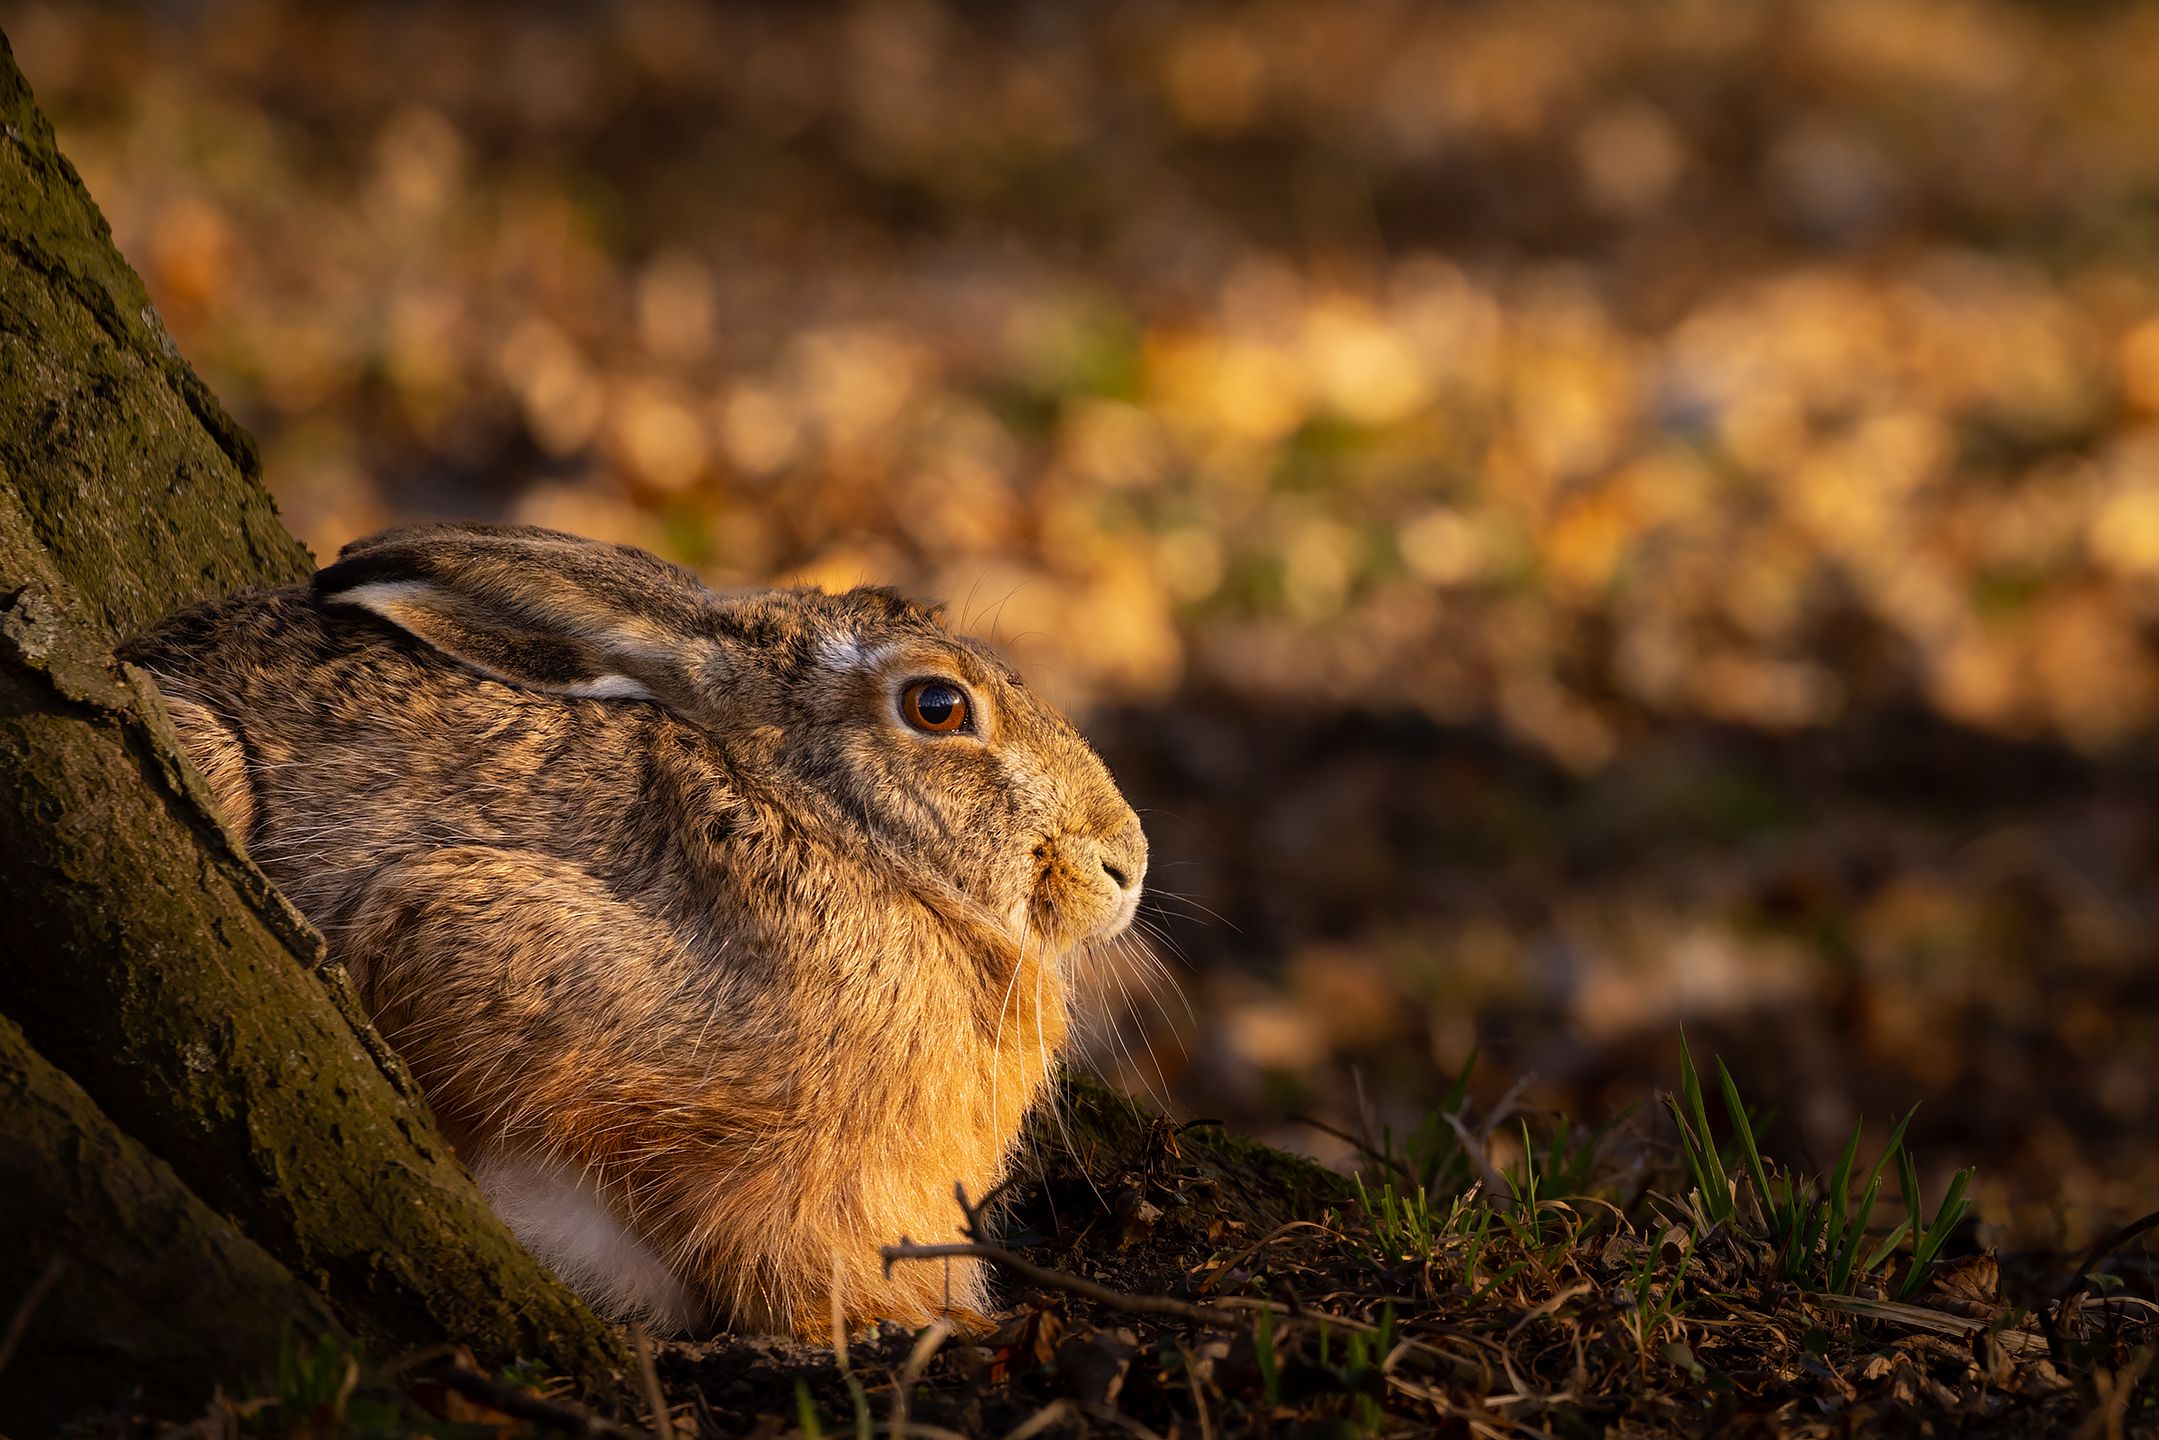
(536,608)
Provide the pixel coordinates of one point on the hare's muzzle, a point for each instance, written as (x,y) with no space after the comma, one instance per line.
(1112,868)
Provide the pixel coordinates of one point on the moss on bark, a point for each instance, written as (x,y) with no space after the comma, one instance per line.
(149,960)
(144,491)
(143,972)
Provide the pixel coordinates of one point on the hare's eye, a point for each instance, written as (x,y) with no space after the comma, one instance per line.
(937,706)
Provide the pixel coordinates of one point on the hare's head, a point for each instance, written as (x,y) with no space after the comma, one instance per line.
(863,700)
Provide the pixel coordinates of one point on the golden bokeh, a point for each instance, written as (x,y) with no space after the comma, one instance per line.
(1564,379)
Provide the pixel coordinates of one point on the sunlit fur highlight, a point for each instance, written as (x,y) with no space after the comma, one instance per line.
(749,962)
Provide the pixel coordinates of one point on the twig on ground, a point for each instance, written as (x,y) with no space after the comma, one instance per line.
(973,1211)
(1199,1390)
(1363,1146)
(1116,1419)
(1225,1313)
(2105,1247)
(1227,1266)
(1054,1413)
(1219,1315)
(918,1359)
(663,1423)
(855,1391)
(1919,1317)
(519,1405)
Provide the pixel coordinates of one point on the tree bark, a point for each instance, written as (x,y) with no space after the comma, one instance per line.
(146,957)
(113,1252)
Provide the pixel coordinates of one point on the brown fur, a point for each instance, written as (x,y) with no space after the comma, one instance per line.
(770,967)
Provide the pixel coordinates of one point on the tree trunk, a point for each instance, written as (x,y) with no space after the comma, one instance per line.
(113,1255)
(146,958)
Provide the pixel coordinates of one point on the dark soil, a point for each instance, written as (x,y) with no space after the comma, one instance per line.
(1535,1335)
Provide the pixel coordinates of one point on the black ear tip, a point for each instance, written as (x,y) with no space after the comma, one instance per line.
(362,545)
(405,552)
(396,537)
(365,568)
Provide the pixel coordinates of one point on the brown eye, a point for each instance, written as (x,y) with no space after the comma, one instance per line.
(934,705)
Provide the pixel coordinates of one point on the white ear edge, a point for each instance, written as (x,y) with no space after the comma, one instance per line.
(388,597)
(394,600)
(606,687)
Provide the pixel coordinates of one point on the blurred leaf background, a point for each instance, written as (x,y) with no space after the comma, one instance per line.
(1568,518)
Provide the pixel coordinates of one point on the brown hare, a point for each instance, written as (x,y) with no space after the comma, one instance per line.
(725,932)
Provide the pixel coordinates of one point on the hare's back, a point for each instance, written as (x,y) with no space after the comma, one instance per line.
(332,739)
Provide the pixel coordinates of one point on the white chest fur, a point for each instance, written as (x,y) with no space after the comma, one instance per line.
(558,1214)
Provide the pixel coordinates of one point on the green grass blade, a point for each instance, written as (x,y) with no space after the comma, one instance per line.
(1890,1151)
(1914,1216)
(1855,1236)
(1716,1187)
(1896,1142)
(1459,1090)
(1434,1150)
(1802,1228)
(1745,1130)
(1690,1150)
(1955,1205)
(865,1424)
(1840,1191)
(1887,1248)
(1927,1243)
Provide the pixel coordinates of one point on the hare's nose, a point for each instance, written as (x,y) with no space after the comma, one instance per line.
(1124,858)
